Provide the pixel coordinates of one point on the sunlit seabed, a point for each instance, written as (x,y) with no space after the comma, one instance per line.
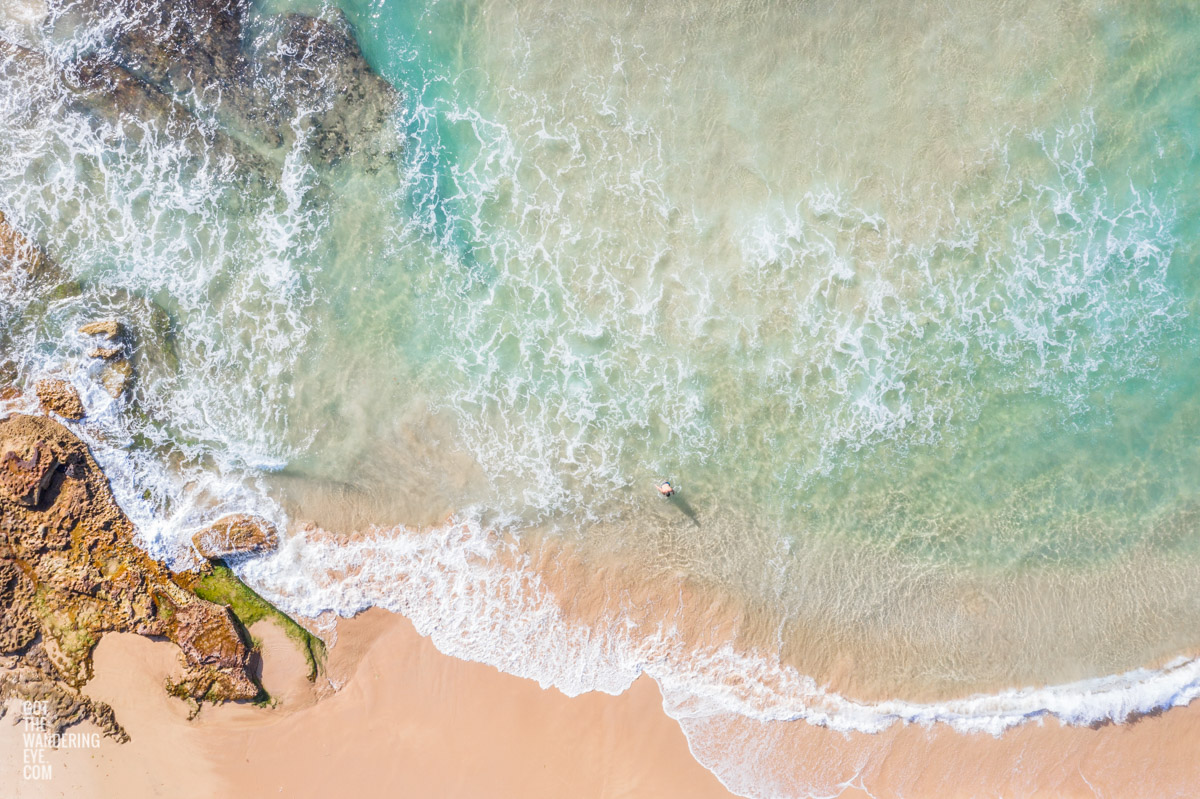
(903,297)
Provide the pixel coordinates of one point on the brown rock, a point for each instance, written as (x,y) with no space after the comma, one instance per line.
(200,52)
(24,676)
(208,635)
(110,329)
(61,397)
(236,534)
(61,531)
(104,353)
(117,377)
(16,593)
(27,467)
(16,250)
(118,373)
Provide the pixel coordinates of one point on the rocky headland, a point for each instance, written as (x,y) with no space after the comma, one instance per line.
(238,91)
(70,572)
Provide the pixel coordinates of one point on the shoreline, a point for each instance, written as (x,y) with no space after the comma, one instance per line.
(406,718)
(866,276)
(409,718)
(368,711)
(584,621)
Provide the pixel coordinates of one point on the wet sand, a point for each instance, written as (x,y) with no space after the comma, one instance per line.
(409,721)
(1155,756)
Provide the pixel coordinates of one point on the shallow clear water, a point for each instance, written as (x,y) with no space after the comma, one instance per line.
(903,297)
(903,287)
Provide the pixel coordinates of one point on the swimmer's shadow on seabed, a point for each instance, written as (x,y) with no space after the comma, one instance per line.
(687,509)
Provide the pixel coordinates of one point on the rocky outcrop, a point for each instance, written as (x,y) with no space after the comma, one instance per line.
(26,474)
(117,376)
(25,676)
(145,335)
(108,329)
(17,251)
(302,74)
(104,353)
(129,107)
(236,534)
(70,572)
(59,396)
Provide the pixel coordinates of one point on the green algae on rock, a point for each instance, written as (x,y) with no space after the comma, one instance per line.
(221,585)
(70,572)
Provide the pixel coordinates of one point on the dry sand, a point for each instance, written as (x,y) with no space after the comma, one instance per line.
(409,721)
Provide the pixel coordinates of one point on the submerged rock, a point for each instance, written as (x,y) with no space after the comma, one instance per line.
(61,397)
(304,73)
(121,104)
(319,65)
(70,572)
(117,97)
(236,534)
(18,251)
(117,377)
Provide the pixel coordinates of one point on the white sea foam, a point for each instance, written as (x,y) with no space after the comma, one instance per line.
(888,339)
(479,598)
(556,328)
(157,225)
(469,590)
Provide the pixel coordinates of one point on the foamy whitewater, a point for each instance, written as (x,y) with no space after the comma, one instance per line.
(903,297)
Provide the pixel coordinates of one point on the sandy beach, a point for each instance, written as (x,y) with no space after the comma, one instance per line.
(409,721)
(311,307)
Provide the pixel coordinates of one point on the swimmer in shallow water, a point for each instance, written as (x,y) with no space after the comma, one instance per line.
(665,488)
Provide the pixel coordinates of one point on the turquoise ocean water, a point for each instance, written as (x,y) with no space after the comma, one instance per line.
(904,298)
